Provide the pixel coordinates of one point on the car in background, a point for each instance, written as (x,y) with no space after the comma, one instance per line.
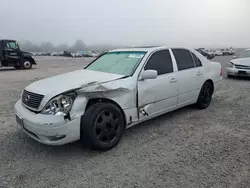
(206,53)
(54,54)
(218,53)
(228,52)
(86,54)
(116,91)
(78,54)
(93,54)
(67,54)
(60,53)
(239,66)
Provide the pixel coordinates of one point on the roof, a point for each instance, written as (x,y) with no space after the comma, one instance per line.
(147,49)
(8,40)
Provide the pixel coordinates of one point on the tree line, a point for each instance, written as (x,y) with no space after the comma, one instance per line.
(78,45)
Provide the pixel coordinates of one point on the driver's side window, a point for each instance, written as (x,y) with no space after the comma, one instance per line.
(11,45)
(160,61)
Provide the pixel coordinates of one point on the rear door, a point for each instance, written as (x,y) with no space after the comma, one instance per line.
(159,95)
(190,76)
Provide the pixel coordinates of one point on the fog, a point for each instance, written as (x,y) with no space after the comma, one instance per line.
(128,22)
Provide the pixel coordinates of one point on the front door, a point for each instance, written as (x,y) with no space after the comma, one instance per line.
(11,52)
(156,96)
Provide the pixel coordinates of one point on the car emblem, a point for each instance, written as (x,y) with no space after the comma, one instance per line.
(27,98)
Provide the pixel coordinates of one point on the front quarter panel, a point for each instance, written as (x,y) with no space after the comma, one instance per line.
(121,91)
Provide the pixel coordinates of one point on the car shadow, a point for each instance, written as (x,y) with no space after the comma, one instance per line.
(244,78)
(7,69)
(13,69)
(26,144)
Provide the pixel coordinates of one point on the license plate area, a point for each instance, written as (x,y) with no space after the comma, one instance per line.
(19,120)
(242,72)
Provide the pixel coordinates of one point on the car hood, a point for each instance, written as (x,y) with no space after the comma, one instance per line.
(26,53)
(241,61)
(56,85)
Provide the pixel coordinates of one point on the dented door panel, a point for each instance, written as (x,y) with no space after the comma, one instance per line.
(157,95)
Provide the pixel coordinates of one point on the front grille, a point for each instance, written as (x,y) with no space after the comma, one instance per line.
(242,67)
(31,100)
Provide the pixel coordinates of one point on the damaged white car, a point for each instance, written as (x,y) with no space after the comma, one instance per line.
(117,90)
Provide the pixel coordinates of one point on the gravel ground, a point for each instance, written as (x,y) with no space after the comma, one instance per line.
(185,148)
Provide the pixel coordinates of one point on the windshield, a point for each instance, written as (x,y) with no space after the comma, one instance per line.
(245,54)
(123,63)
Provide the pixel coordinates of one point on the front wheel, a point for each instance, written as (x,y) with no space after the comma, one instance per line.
(102,126)
(27,64)
(205,96)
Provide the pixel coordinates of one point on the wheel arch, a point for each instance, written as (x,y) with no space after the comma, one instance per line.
(211,82)
(30,59)
(93,101)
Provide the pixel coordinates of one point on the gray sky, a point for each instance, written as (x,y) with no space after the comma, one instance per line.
(128,22)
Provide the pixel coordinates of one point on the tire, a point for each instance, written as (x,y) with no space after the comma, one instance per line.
(230,76)
(102,126)
(27,64)
(205,96)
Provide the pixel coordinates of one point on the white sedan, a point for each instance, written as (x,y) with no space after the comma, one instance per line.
(239,66)
(116,91)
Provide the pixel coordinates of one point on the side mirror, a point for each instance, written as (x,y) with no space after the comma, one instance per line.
(148,74)
(234,57)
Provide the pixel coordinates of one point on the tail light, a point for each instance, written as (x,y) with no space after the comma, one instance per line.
(221,71)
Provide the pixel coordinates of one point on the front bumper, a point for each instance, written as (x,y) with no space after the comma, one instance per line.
(48,129)
(238,72)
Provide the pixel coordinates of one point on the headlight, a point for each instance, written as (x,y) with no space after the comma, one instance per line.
(60,105)
(230,64)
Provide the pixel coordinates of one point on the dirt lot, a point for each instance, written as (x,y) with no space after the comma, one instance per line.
(186,148)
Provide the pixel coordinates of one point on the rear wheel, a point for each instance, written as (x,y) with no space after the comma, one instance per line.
(102,126)
(205,96)
(27,64)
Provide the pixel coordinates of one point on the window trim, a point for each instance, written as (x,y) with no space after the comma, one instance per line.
(149,56)
(192,54)
(176,60)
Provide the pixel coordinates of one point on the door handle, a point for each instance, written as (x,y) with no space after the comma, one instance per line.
(199,73)
(173,80)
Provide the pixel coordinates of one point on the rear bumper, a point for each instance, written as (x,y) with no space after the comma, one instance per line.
(235,72)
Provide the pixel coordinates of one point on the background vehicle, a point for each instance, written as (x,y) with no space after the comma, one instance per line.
(218,53)
(87,54)
(78,54)
(228,52)
(12,56)
(205,53)
(239,66)
(67,54)
(118,90)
